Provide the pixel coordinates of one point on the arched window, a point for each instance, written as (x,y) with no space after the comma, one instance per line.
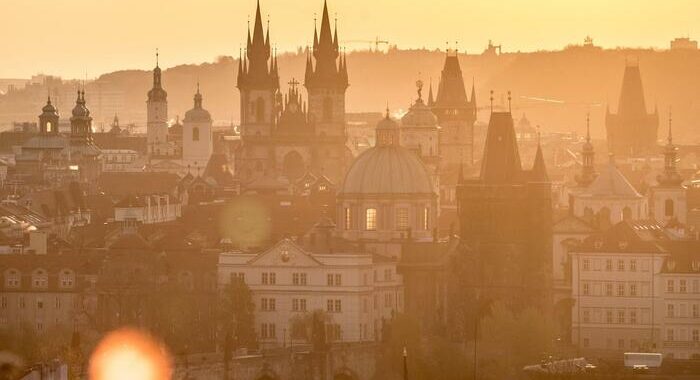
(348,218)
(195,134)
(668,208)
(327,109)
(426,218)
(48,126)
(260,110)
(371,219)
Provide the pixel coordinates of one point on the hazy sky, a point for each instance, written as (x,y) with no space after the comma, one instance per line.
(70,37)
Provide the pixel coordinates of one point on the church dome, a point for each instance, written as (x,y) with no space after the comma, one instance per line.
(419,115)
(49,108)
(80,110)
(387,170)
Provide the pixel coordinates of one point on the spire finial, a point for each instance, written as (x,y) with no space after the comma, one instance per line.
(509,102)
(157,57)
(491,99)
(539,135)
(387,109)
(588,127)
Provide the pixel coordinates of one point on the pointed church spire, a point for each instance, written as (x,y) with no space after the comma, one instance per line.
(335,35)
(473,98)
(431,100)
(670,176)
(539,170)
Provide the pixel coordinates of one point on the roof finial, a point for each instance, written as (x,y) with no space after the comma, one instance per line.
(491,99)
(157,57)
(387,109)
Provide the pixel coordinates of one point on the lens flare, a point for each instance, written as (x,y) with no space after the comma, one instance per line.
(129,354)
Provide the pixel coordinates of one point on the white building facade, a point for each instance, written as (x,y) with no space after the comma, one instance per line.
(356,291)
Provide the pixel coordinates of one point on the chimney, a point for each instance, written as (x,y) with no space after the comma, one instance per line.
(38,242)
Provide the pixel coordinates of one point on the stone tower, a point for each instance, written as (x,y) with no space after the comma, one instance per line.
(258,83)
(326,80)
(197,141)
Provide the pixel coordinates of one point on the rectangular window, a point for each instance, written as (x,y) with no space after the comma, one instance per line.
(670,311)
(338,306)
(633,290)
(402,218)
(265,279)
(371,219)
(586,316)
(670,286)
(333,306)
(298,304)
(696,286)
(609,265)
(633,265)
(329,279)
(696,311)
(338,279)
(633,317)
(273,278)
(620,265)
(295,278)
(3,302)
(586,264)
(299,278)
(348,218)
(620,316)
(586,289)
(696,335)
(609,316)
(620,290)
(609,289)
(683,286)
(21,302)
(669,335)
(329,306)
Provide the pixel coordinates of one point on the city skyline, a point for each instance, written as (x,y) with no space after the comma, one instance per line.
(121,38)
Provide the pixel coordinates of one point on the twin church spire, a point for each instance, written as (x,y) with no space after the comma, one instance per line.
(258,67)
(331,67)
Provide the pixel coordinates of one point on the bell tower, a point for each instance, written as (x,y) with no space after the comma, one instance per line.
(157,116)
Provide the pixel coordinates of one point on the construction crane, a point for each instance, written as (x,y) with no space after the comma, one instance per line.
(376,42)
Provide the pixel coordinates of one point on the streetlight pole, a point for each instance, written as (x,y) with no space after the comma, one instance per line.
(405,363)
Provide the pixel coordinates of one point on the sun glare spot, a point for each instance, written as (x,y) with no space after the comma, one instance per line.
(129,354)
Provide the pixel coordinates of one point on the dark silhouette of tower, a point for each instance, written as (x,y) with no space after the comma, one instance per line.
(326,80)
(506,213)
(258,82)
(632,131)
(157,115)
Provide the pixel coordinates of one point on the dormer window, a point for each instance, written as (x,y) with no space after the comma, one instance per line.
(671,265)
(623,244)
(13,279)
(598,244)
(40,279)
(66,279)
(695,265)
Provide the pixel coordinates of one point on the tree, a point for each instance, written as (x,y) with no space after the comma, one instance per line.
(237,316)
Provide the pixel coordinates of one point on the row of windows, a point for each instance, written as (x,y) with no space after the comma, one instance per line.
(620,289)
(680,310)
(4,303)
(39,279)
(299,304)
(611,316)
(682,335)
(682,286)
(301,278)
(610,265)
(402,219)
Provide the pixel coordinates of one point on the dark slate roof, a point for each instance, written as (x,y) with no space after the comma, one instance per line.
(684,256)
(451,91)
